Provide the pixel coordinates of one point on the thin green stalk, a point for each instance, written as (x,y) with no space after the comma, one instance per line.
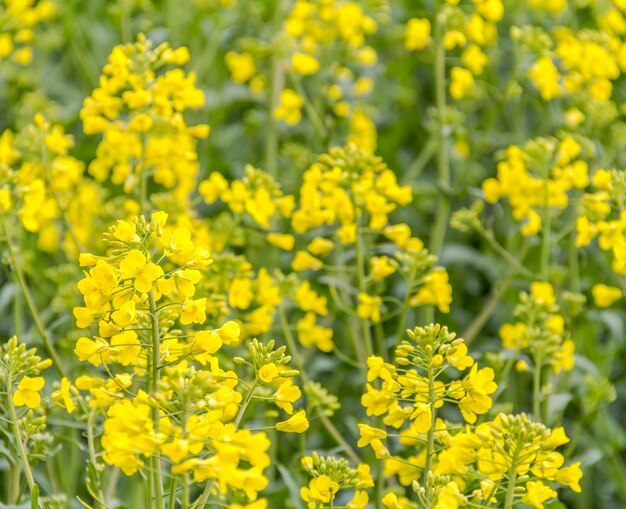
(537,390)
(502,251)
(91,447)
(153,385)
(14,483)
(172,495)
(487,310)
(275,87)
(443,162)
(430,437)
(405,304)
(30,303)
(293,350)
(510,489)
(360,263)
(546,232)
(17,434)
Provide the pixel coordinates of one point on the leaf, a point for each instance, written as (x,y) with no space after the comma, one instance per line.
(292,486)
(34,497)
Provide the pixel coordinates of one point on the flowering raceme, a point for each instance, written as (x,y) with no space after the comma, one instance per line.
(506,460)
(167,396)
(140,115)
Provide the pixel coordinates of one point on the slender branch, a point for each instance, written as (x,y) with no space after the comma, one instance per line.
(30,303)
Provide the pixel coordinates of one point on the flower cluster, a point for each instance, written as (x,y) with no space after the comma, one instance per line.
(46,183)
(19,20)
(331,478)
(507,460)
(166,394)
(536,179)
(539,329)
(140,114)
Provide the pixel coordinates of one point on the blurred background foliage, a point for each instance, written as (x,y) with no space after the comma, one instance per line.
(502,109)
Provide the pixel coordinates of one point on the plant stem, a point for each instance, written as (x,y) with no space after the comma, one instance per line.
(30,303)
(537,390)
(154,387)
(405,304)
(510,489)
(328,424)
(91,447)
(547,225)
(17,434)
(360,262)
(276,85)
(443,163)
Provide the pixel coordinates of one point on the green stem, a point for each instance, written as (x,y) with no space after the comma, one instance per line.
(17,434)
(276,85)
(30,303)
(405,304)
(537,390)
(154,387)
(172,495)
(502,251)
(487,310)
(91,447)
(547,225)
(443,163)
(360,262)
(14,483)
(293,349)
(510,489)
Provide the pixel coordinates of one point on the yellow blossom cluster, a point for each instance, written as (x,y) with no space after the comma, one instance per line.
(470,33)
(537,178)
(46,185)
(604,217)
(139,112)
(582,63)
(330,476)
(509,456)
(19,20)
(540,330)
(166,395)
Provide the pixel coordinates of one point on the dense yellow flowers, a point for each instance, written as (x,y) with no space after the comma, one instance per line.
(140,114)
(509,456)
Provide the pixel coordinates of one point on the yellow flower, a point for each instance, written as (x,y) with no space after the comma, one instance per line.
(193,311)
(305,261)
(604,296)
(284,241)
(62,397)
(297,423)
(369,307)
(545,76)
(289,107)
(381,267)
(369,433)
(268,372)
(241,66)
(6,202)
(321,489)
(543,293)
(286,395)
(417,34)
(537,493)
(27,393)
(136,265)
(462,82)
(304,64)
(570,476)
